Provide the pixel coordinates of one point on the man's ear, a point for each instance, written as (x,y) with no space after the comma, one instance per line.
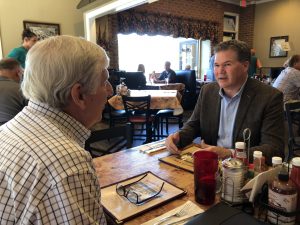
(77,97)
(246,64)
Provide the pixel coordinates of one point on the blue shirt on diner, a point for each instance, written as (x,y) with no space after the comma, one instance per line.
(229,107)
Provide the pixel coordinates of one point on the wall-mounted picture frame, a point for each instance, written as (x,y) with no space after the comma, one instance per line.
(276,46)
(42,30)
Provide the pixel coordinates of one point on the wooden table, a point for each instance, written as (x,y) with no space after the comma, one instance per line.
(121,165)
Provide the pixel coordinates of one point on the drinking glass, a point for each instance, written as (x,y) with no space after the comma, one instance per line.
(205,170)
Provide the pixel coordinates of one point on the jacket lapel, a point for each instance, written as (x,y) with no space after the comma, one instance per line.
(215,115)
(246,99)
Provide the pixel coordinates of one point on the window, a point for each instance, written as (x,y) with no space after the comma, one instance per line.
(153,51)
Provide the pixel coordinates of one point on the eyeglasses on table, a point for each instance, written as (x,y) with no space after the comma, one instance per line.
(131,195)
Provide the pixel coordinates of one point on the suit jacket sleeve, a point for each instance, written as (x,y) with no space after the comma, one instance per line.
(271,140)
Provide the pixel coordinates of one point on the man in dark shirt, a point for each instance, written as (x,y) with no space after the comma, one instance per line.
(11,98)
(168,76)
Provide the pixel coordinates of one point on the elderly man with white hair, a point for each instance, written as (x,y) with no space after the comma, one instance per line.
(46,176)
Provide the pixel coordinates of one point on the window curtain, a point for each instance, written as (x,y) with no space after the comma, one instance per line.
(159,24)
(103,37)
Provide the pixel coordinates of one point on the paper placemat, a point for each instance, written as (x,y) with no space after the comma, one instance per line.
(121,209)
(193,211)
(184,160)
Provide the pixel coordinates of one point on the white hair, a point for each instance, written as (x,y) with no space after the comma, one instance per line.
(55,64)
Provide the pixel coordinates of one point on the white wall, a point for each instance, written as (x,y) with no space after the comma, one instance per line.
(278,18)
(13,12)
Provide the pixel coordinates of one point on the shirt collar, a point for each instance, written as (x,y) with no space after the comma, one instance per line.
(71,126)
(237,95)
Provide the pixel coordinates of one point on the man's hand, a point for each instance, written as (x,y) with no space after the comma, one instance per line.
(171,142)
(223,153)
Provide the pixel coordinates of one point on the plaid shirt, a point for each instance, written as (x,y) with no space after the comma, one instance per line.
(46,177)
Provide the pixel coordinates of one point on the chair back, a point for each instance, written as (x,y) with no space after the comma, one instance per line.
(137,106)
(188,78)
(292,110)
(117,138)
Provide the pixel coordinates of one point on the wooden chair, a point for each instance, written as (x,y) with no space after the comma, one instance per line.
(138,112)
(116,139)
(292,110)
(164,115)
(115,116)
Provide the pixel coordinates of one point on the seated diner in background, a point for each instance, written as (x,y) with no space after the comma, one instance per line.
(46,176)
(11,98)
(232,104)
(288,81)
(167,76)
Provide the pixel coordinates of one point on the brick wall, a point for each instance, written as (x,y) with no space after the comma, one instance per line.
(197,9)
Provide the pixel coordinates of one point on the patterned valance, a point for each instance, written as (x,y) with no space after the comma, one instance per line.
(160,24)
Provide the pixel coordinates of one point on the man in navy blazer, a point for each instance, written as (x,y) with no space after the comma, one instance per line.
(235,102)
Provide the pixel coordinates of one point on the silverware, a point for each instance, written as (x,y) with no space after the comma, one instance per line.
(182,212)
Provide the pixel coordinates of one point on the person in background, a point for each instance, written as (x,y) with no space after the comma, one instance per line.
(235,102)
(167,74)
(288,81)
(141,68)
(210,72)
(11,98)
(255,64)
(28,40)
(141,79)
(187,67)
(46,176)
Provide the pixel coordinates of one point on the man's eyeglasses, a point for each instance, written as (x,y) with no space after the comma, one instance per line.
(135,190)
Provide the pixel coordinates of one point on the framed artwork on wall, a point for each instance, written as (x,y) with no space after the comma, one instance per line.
(276,46)
(42,30)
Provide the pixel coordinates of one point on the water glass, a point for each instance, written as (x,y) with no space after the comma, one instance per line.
(205,170)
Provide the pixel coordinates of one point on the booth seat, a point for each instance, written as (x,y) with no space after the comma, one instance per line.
(188,78)
(133,80)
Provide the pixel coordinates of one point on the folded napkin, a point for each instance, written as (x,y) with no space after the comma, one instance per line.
(253,187)
(193,210)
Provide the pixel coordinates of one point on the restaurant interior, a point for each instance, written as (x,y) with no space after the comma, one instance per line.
(125,148)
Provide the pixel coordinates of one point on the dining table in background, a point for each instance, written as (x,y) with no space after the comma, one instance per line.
(131,162)
(160,99)
(163,86)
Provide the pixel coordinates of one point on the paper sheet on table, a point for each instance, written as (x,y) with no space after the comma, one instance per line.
(194,210)
(152,147)
(257,182)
